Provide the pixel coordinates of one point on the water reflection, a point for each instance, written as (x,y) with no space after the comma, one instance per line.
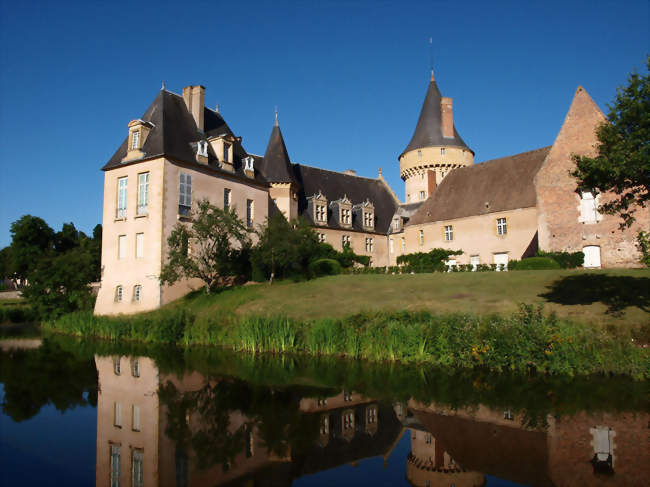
(182,428)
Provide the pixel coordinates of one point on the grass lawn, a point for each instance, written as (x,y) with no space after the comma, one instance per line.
(618,297)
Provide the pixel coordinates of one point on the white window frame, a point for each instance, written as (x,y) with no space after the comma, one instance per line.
(135,140)
(321,237)
(121,247)
(135,417)
(137,468)
(449,233)
(226,152)
(184,193)
(369,244)
(139,245)
(137,293)
(122,194)
(143,194)
(345,239)
(443,151)
(250,213)
(321,211)
(403,244)
(117,414)
(345,216)
(502,226)
(391,246)
(421,237)
(115,466)
(422,194)
(589,207)
(227,198)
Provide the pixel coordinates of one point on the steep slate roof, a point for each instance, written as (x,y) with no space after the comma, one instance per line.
(335,185)
(428,131)
(505,184)
(175,134)
(276,165)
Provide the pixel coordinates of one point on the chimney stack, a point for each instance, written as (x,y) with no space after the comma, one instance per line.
(194,97)
(447,112)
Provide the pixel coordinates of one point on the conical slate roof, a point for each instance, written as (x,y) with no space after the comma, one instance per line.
(428,132)
(276,165)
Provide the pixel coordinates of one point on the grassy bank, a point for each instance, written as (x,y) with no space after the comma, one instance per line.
(525,341)
(611,298)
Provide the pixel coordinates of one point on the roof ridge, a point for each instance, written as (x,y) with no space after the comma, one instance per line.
(513,155)
(336,172)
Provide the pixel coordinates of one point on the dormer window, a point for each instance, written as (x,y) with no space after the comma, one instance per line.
(396,224)
(135,140)
(249,162)
(442,151)
(202,148)
(321,213)
(346,216)
(226,152)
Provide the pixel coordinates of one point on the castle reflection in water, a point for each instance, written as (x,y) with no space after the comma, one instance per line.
(156,429)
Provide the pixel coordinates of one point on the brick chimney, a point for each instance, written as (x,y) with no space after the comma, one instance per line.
(194,97)
(447,113)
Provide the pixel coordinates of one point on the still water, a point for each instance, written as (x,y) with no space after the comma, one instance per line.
(84,413)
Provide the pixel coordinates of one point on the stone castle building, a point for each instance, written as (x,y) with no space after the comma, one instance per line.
(180,152)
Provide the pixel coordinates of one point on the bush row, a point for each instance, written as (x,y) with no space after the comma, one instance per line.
(17,314)
(527,341)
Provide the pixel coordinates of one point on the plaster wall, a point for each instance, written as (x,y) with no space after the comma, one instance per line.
(474,235)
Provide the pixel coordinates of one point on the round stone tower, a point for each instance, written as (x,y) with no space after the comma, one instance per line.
(435,148)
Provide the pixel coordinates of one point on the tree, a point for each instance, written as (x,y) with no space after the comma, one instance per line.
(216,245)
(59,284)
(622,163)
(284,249)
(31,239)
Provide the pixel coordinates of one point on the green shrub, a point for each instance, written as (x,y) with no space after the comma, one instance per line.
(536,263)
(324,267)
(566,260)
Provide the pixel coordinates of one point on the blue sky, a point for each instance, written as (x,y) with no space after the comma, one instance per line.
(348,78)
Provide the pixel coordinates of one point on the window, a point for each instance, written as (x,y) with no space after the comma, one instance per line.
(226,198)
(249,213)
(507,414)
(324,425)
(226,152)
(347,396)
(427,439)
(421,237)
(115,466)
(137,463)
(396,224)
(372,415)
(184,194)
(122,184)
(501,261)
(135,418)
(502,229)
(137,293)
(451,264)
(442,174)
(322,402)
(403,244)
(135,368)
(474,260)
(421,195)
(419,154)
(345,216)
(443,151)
(321,213)
(345,240)
(321,237)
(135,139)
(369,244)
(249,444)
(348,420)
(116,366)
(117,414)
(368,219)
(121,247)
(588,207)
(119,292)
(143,194)
(449,233)
(391,246)
(139,245)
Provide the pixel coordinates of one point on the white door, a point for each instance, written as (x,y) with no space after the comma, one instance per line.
(474,260)
(501,259)
(592,256)
(450,264)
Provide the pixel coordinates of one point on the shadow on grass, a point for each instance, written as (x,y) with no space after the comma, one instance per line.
(615,292)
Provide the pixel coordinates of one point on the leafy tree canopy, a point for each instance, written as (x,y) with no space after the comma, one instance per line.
(215,245)
(622,163)
(31,238)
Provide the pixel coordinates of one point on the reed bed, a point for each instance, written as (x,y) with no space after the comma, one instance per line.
(526,341)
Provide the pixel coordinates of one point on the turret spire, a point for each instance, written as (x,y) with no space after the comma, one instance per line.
(276,165)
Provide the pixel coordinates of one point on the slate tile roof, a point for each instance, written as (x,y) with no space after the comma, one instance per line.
(428,131)
(497,185)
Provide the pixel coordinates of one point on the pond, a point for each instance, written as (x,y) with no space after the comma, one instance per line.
(94,413)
